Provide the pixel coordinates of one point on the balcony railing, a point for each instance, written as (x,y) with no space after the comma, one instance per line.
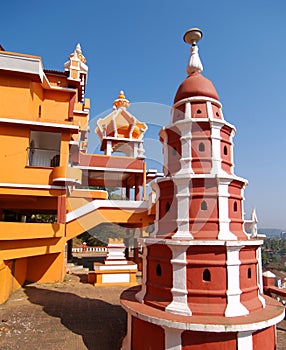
(43,157)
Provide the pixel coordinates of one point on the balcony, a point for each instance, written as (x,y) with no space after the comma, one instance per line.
(10,231)
(66,175)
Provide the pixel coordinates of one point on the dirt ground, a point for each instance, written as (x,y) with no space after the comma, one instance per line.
(72,315)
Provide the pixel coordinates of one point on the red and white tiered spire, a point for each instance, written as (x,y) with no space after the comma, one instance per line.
(201,267)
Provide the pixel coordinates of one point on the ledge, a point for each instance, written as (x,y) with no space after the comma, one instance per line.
(264,318)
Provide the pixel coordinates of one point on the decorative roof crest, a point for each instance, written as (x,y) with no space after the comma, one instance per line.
(121,101)
(78,53)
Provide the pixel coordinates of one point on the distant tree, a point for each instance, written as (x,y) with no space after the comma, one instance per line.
(99,235)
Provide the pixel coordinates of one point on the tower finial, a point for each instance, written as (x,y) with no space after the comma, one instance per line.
(121,101)
(192,36)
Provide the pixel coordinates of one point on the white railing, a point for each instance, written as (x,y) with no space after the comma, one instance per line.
(89,249)
(43,157)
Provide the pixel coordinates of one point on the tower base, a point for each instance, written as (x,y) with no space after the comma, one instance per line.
(151,328)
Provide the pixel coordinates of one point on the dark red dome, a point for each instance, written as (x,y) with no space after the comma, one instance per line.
(196,85)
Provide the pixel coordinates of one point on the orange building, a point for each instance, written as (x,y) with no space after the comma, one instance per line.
(46,174)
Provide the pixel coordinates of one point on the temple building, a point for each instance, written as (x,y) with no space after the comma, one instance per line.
(51,188)
(202,275)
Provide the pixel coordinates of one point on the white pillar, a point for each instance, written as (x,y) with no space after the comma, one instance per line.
(173,339)
(244,341)
(231,150)
(156,189)
(224,220)
(186,147)
(234,306)
(183,202)
(141,295)
(259,276)
(179,304)
(108,150)
(216,148)
(165,151)
(188,110)
(210,110)
(126,344)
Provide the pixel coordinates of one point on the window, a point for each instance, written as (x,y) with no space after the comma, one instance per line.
(249,272)
(44,149)
(235,206)
(158,270)
(217,114)
(199,111)
(174,151)
(206,275)
(201,147)
(204,205)
(168,206)
(225,151)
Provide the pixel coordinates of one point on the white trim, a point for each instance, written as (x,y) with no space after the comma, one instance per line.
(105,204)
(173,339)
(124,170)
(113,138)
(219,177)
(32,122)
(179,304)
(66,179)
(197,99)
(77,111)
(14,185)
(197,242)
(244,341)
(216,327)
(203,120)
(234,306)
(74,143)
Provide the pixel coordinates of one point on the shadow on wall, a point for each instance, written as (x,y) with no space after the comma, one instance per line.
(101,325)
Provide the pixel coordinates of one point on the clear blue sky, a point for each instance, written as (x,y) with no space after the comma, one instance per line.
(137,46)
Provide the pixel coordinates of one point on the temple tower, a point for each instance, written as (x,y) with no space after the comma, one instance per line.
(201,285)
(120,131)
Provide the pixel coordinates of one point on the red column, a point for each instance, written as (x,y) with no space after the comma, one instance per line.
(127,192)
(137,189)
(61,209)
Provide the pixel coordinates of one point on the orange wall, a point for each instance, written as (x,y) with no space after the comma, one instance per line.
(21,98)
(12,277)
(14,145)
(47,268)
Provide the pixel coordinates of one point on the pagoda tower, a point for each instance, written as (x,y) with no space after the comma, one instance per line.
(201,285)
